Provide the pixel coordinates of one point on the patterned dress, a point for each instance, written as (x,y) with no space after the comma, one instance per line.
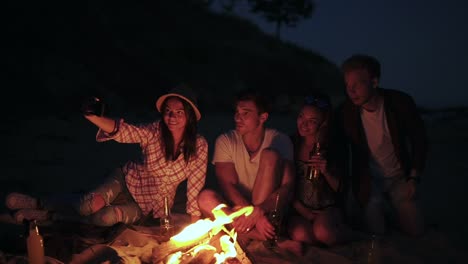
(315,193)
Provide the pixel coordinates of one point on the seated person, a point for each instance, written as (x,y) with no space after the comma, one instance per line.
(317,217)
(172,152)
(253,164)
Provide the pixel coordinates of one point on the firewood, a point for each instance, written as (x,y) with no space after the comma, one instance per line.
(164,249)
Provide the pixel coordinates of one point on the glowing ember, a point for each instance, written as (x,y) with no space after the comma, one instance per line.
(206,227)
(228,249)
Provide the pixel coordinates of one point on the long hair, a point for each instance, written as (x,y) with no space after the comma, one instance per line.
(190,134)
(323,104)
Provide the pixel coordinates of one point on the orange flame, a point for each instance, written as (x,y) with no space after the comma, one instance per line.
(203,227)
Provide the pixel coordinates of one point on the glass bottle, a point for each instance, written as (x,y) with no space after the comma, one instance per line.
(317,152)
(275,219)
(313,178)
(35,245)
(313,173)
(373,253)
(166,221)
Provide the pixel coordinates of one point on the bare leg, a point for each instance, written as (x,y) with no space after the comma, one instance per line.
(330,229)
(300,229)
(208,200)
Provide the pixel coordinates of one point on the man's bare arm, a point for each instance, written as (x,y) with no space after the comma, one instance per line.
(228,181)
(284,191)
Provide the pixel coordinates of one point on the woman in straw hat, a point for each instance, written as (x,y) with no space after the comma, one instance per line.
(172,151)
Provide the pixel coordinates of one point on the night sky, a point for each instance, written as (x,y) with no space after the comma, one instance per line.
(422,45)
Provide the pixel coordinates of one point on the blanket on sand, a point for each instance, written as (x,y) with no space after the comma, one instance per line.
(78,243)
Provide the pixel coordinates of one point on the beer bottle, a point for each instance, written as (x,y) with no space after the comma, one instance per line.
(166,221)
(35,245)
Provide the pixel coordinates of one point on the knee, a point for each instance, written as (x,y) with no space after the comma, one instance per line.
(298,232)
(107,216)
(205,198)
(325,234)
(206,195)
(111,215)
(91,203)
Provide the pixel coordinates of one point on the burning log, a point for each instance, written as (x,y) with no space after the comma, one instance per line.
(200,242)
(167,248)
(200,255)
(207,253)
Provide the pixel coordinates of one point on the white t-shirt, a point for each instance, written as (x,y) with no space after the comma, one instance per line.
(229,147)
(383,161)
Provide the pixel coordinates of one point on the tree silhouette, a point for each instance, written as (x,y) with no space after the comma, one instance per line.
(229,5)
(282,12)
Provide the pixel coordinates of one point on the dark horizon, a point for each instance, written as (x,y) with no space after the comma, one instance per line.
(420,44)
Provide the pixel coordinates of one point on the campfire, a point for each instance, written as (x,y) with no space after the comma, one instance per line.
(205,241)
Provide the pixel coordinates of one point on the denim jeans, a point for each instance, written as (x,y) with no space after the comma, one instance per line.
(119,206)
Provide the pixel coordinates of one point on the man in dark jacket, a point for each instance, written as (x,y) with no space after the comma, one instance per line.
(387,139)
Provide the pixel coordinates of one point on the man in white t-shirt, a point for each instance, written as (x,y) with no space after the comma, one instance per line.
(253,165)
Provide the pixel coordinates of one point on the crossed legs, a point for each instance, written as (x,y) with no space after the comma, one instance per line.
(266,181)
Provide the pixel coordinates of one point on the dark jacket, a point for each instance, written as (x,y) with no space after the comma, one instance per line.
(407,131)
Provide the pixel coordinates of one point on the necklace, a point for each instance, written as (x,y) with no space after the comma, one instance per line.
(257,148)
(253,151)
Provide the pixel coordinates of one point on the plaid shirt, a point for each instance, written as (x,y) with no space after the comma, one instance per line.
(150,180)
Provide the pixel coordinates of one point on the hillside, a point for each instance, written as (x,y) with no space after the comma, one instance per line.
(58,52)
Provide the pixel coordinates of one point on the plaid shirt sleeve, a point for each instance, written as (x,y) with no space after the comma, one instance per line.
(197,176)
(129,133)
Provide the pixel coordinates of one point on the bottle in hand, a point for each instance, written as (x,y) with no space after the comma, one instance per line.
(313,173)
(275,218)
(35,245)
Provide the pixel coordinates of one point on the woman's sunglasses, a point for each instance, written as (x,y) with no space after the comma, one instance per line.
(316,101)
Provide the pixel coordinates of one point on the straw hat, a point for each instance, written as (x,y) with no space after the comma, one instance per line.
(183,92)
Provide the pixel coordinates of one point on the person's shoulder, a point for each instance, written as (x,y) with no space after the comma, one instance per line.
(153,126)
(277,134)
(201,140)
(230,135)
